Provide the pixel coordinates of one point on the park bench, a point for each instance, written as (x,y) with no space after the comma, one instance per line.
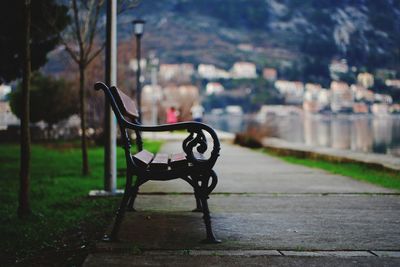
(194,164)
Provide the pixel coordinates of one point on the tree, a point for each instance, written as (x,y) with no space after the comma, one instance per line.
(24,208)
(42,37)
(79,40)
(24,43)
(50,100)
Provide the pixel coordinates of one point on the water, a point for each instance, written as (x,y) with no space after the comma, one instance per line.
(364,133)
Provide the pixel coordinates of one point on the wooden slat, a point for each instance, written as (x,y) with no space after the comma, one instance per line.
(143,158)
(126,104)
(178,160)
(160,162)
(129,105)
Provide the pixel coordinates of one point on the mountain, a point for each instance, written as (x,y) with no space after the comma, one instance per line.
(299,37)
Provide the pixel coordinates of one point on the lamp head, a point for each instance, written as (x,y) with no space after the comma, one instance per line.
(138,27)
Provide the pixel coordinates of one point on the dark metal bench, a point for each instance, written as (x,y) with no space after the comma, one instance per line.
(191,165)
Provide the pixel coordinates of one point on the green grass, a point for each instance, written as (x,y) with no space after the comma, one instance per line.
(64,218)
(384,178)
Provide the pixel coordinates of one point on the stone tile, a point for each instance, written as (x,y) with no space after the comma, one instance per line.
(267,222)
(328,253)
(213,252)
(391,254)
(118,260)
(245,253)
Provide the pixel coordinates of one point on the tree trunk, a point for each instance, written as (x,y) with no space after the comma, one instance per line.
(82,100)
(25,145)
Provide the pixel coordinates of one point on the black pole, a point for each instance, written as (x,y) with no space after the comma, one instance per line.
(138,85)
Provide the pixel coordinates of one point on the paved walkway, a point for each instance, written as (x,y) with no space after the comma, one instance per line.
(265,211)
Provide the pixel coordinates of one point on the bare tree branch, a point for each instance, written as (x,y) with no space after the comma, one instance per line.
(125,5)
(92,31)
(77,27)
(69,50)
(87,22)
(95,54)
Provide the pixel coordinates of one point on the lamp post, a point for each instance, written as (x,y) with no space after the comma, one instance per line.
(110,131)
(155,98)
(138,27)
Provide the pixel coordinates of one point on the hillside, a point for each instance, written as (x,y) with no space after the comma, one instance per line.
(298,36)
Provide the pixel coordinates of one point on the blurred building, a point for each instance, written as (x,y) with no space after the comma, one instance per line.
(342,97)
(324,99)
(244,70)
(365,79)
(361,94)
(382,98)
(380,109)
(181,73)
(310,98)
(151,97)
(393,83)
(360,108)
(245,47)
(316,99)
(395,108)
(292,91)
(4,91)
(214,88)
(7,118)
(211,72)
(270,74)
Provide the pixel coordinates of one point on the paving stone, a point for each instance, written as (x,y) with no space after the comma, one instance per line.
(259,222)
(392,254)
(216,252)
(117,260)
(328,253)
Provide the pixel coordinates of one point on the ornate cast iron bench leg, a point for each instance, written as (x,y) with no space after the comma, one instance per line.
(204,190)
(121,211)
(132,198)
(198,201)
(210,239)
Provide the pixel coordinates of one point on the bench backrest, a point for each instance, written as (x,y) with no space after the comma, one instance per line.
(124,109)
(125,103)
(127,107)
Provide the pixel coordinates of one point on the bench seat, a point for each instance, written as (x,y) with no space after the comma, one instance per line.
(160,161)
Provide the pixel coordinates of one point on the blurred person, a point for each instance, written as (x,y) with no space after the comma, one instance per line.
(197,111)
(172,115)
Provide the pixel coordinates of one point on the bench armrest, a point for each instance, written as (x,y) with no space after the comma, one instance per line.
(196,138)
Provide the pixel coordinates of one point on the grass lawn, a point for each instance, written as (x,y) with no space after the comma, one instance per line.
(65,222)
(388,179)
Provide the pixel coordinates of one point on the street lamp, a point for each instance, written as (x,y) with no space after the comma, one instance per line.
(138,28)
(154,61)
